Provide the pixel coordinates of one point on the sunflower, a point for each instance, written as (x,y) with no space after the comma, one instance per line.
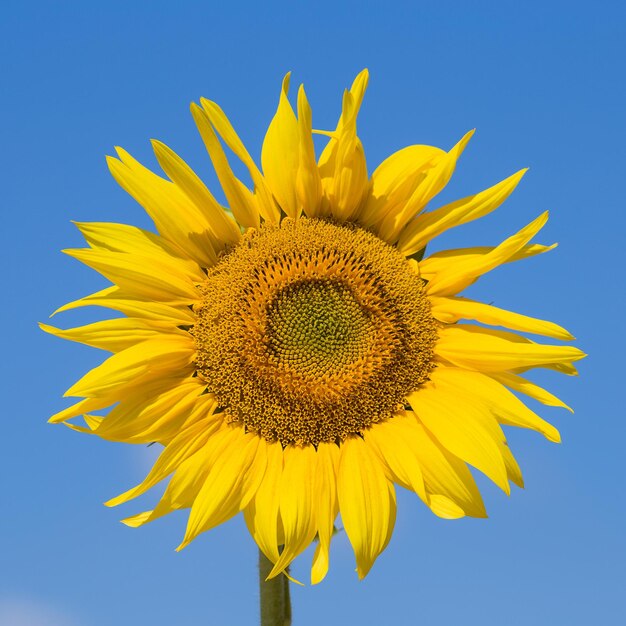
(295,354)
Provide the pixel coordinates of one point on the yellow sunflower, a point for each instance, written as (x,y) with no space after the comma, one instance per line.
(293,353)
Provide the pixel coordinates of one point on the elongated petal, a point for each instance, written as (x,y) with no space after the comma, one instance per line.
(451,310)
(417,463)
(367,502)
(308,181)
(115,298)
(440,262)
(156,412)
(502,403)
(185,484)
(266,205)
(513,470)
(184,444)
(139,363)
(80,408)
(221,226)
(280,155)
(240,199)
(236,473)
(457,275)
(296,503)
(342,165)
(400,460)
(326,508)
(451,489)
(357,90)
(563,368)
(92,422)
(435,179)
(262,513)
(395,180)
(175,217)
(132,240)
(112,335)
(521,385)
(142,275)
(469,432)
(427,226)
(498,351)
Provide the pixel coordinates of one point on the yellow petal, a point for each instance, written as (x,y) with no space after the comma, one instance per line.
(80,408)
(261,514)
(417,463)
(156,413)
(450,487)
(451,310)
(308,181)
(513,470)
(440,261)
(469,432)
(564,368)
(86,430)
(132,240)
(326,508)
(139,363)
(390,440)
(144,276)
(240,199)
(280,155)
(489,350)
(112,335)
(395,180)
(427,226)
(357,90)
(342,165)
(521,385)
(266,205)
(296,503)
(435,179)
(236,473)
(137,520)
(92,421)
(118,300)
(221,226)
(175,217)
(367,502)
(186,482)
(506,408)
(182,446)
(456,275)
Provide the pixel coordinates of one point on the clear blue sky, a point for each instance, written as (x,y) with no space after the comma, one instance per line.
(543,82)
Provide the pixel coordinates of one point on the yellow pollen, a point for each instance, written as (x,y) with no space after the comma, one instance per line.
(311,331)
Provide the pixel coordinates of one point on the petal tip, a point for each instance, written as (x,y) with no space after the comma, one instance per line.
(182,546)
(362,572)
(111,503)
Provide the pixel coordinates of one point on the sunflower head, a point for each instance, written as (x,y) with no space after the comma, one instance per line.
(312,331)
(294,353)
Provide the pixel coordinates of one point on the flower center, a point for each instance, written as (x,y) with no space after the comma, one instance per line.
(317,327)
(312,331)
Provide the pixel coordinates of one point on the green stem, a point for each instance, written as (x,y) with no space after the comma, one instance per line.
(275,600)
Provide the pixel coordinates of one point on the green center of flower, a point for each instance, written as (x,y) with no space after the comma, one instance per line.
(318,326)
(312,332)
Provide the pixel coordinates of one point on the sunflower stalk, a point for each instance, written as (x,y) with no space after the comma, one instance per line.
(274,596)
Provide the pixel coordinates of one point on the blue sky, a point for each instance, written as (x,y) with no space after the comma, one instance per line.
(543,84)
